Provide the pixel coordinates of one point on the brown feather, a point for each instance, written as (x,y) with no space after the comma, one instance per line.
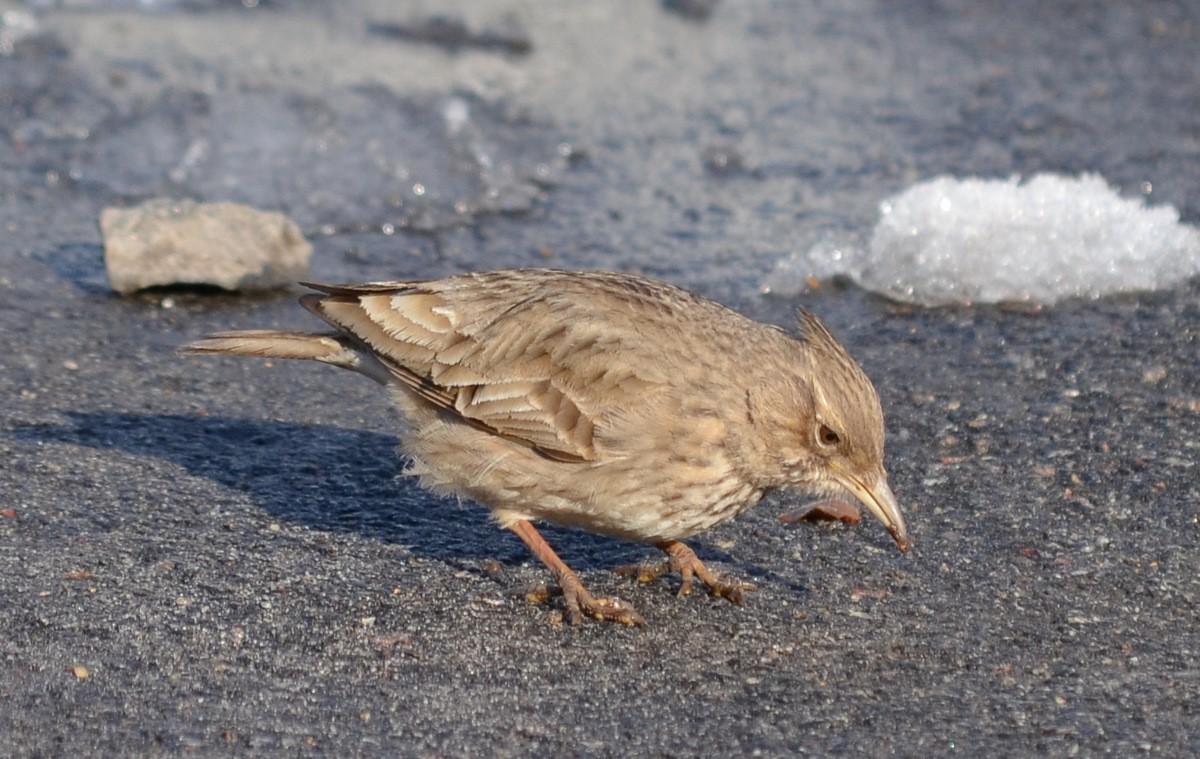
(470,351)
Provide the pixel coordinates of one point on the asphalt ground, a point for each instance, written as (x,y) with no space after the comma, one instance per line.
(220,556)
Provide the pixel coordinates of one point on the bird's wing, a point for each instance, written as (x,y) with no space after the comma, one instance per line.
(538,358)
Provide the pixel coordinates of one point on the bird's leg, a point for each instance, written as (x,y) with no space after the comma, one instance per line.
(683,560)
(576,597)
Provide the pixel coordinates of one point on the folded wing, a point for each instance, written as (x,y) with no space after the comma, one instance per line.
(541,359)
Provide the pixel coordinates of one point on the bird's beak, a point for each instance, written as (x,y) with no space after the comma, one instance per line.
(877,497)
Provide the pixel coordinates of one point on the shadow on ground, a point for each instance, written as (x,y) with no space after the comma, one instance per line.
(304,474)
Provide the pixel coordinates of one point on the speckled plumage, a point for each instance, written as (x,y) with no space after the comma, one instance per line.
(607,402)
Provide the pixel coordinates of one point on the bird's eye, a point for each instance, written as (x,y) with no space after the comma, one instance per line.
(827,436)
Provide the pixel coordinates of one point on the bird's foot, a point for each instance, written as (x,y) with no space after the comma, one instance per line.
(683,560)
(577,600)
(580,602)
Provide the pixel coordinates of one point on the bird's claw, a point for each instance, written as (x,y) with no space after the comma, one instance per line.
(683,560)
(578,603)
(603,609)
(733,591)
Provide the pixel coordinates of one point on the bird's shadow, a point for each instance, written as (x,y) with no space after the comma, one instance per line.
(332,479)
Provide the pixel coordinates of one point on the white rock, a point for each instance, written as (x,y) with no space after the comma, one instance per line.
(231,246)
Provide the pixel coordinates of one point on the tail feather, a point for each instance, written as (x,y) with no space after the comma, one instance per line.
(329,348)
(270,343)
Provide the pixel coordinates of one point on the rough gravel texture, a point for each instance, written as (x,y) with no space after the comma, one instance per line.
(218,557)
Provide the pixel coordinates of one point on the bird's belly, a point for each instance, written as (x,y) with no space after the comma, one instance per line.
(649,515)
(654,496)
(598,498)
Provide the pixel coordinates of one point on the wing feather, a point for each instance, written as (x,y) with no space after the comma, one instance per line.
(526,357)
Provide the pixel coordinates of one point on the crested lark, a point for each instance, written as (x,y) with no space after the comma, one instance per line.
(602,401)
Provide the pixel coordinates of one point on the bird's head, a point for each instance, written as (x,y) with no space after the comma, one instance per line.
(828,427)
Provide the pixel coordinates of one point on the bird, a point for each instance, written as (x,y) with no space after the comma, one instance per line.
(608,402)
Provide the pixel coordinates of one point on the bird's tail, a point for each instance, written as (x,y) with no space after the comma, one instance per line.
(329,348)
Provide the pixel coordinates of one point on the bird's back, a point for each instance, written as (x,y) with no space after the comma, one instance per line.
(552,358)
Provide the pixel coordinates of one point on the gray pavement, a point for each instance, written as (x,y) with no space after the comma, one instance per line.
(219,557)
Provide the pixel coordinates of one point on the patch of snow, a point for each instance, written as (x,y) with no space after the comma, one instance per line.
(982,240)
